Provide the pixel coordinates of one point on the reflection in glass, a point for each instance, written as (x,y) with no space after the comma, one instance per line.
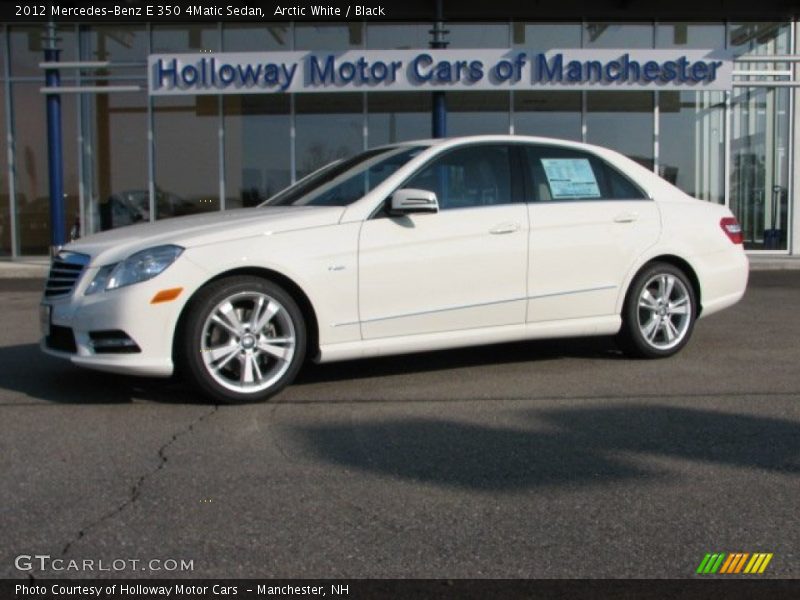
(759,38)
(690,35)
(27,49)
(692,143)
(328,127)
(31,167)
(185,38)
(548,114)
(545,36)
(5,216)
(115,160)
(759,166)
(622,121)
(477,113)
(326,36)
(398,117)
(245,37)
(257,148)
(186,131)
(114,146)
(477,35)
(618,35)
(397,36)
(117,43)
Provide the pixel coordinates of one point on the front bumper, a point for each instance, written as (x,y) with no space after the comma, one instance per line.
(150,326)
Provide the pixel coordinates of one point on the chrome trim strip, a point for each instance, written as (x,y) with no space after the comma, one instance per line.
(594,289)
(66,269)
(73,258)
(464,306)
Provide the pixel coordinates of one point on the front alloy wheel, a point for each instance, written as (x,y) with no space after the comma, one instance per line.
(659,312)
(244,339)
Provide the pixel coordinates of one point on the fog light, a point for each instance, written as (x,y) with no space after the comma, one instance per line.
(113,342)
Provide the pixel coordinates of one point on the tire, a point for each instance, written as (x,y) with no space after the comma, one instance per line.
(243,340)
(659,313)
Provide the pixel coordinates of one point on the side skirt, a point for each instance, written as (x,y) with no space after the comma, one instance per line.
(607,325)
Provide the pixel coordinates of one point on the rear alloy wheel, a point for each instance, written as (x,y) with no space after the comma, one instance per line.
(244,340)
(659,312)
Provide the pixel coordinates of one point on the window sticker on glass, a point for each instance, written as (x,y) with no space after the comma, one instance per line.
(571,178)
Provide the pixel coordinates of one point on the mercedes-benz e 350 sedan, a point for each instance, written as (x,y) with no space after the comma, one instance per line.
(404,248)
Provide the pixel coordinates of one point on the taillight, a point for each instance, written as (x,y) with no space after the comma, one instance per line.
(732,229)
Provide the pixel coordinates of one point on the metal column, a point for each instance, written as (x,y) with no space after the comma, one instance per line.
(439,114)
(54,155)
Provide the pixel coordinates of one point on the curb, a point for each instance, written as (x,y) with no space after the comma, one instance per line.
(774,264)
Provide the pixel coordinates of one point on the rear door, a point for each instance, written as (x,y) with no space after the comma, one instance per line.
(589,224)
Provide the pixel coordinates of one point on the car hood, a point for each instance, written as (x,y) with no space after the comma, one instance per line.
(199,230)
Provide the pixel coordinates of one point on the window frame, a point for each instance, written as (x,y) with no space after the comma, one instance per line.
(517,186)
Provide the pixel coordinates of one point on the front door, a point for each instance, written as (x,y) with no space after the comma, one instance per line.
(461,268)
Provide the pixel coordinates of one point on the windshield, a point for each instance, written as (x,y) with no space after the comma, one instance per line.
(343,182)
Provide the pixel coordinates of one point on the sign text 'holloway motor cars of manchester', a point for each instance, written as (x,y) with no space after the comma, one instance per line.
(409,70)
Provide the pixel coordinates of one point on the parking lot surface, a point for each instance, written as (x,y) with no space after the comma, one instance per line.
(541,459)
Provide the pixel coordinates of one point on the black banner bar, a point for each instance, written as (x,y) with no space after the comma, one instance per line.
(133,11)
(731,588)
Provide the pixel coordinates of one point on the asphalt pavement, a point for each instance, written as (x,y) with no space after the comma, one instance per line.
(540,459)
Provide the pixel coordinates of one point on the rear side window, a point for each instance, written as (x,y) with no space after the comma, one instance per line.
(564,174)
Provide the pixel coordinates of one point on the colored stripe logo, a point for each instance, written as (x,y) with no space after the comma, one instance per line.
(734,563)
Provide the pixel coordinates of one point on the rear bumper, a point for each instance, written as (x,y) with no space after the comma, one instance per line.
(723,279)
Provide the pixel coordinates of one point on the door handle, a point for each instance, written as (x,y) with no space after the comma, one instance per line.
(628,217)
(504,228)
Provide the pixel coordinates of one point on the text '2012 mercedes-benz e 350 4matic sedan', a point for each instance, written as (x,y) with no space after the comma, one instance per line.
(404,248)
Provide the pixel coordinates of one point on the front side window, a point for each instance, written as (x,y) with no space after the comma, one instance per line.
(468,177)
(566,174)
(342,183)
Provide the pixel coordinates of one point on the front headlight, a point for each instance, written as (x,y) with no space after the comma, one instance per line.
(137,267)
(100,280)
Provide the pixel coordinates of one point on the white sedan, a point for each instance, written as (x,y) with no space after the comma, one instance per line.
(405,248)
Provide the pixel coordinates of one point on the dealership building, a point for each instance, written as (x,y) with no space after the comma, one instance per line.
(166,119)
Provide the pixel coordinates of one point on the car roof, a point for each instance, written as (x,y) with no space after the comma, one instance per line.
(458,140)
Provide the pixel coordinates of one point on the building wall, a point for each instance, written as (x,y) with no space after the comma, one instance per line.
(129,157)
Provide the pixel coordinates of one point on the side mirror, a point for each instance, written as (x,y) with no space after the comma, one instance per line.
(408,201)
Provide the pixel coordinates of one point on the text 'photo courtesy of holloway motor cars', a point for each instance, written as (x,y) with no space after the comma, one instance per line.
(405,248)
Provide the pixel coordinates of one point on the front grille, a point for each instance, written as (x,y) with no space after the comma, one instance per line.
(65,270)
(61,339)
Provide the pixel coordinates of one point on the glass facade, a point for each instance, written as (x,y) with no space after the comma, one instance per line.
(31,167)
(254,171)
(114,158)
(129,157)
(760,166)
(692,143)
(5,209)
(549,114)
(622,122)
(398,117)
